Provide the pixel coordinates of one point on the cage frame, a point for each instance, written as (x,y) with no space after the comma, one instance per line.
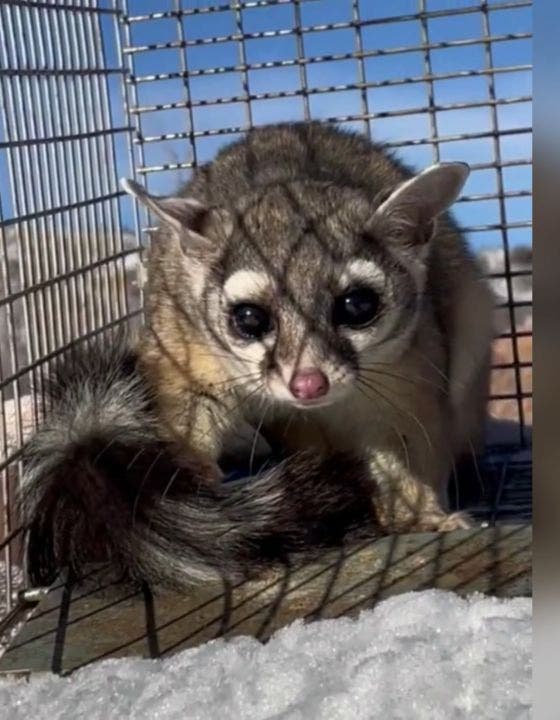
(68,53)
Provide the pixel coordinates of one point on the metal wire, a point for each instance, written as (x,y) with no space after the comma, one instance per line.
(91,90)
(63,248)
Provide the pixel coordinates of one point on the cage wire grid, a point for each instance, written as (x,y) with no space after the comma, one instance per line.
(93,90)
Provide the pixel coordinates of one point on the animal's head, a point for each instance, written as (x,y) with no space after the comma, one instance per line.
(305,287)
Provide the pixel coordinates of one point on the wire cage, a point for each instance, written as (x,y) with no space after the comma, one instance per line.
(94,90)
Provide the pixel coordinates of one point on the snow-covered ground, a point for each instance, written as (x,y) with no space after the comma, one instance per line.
(427,655)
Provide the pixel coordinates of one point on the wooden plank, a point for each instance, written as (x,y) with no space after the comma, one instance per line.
(75,626)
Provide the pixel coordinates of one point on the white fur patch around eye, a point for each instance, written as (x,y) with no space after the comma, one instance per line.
(246,284)
(253,354)
(365,271)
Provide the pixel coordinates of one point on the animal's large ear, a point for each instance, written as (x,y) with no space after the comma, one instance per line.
(187,217)
(412,208)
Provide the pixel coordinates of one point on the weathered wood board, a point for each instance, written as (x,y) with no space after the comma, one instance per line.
(74,626)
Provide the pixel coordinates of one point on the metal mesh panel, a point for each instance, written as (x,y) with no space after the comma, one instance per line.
(63,253)
(435,80)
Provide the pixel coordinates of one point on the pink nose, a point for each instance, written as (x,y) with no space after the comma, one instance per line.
(309,384)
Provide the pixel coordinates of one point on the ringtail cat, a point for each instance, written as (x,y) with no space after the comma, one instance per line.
(308,292)
(304,284)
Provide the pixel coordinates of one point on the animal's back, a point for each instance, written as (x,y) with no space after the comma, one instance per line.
(299,151)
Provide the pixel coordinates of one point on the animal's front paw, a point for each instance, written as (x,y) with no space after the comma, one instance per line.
(455,521)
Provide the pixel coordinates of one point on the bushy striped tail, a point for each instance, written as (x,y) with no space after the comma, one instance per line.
(99,484)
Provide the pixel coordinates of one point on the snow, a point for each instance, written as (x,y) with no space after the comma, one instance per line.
(429,654)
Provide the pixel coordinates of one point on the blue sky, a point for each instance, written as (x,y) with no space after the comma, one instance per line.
(384,37)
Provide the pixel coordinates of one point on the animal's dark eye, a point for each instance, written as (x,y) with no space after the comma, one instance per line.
(356,308)
(251,322)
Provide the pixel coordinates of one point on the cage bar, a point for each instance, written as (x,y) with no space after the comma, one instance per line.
(92,90)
